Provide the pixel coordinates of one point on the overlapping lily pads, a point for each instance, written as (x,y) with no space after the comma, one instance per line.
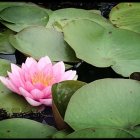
(104,47)
(19,17)
(37,41)
(24,128)
(4,5)
(62,93)
(5,46)
(126,16)
(62,16)
(99,133)
(105,103)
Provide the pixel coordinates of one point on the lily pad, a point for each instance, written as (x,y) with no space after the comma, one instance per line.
(13,103)
(104,47)
(5,46)
(61,134)
(135,132)
(4,5)
(61,17)
(126,16)
(62,93)
(25,128)
(23,16)
(105,103)
(99,133)
(37,41)
(4,67)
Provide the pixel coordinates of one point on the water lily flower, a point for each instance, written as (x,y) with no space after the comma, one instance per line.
(34,80)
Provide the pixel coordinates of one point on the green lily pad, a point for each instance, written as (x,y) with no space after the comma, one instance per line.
(37,41)
(62,93)
(5,46)
(104,47)
(4,5)
(14,103)
(112,103)
(61,134)
(135,132)
(25,128)
(61,17)
(95,11)
(23,16)
(126,16)
(4,67)
(99,133)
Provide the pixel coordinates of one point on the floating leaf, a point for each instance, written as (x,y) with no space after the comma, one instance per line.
(13,103)
(5,46)
(37,41)
(104,47)
(99,133)
(60,17)
(62,93)
(135,131)
(4,67)
(95,11)
(4,5)
(112,103)
(126,16)
(61,134)
(25,128)
(19,17)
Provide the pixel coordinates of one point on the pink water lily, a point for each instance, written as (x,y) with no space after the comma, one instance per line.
(34,80)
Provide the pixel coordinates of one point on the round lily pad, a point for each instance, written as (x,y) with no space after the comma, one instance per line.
(37,41)
(104,47)
(61,17)
(25,128)
(125,15)
(18,17)
(105,103)
(5,46)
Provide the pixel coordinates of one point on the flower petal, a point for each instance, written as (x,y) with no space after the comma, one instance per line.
(37,94)
(69,75)
(43,62)
(25,93)
(29,86)
(58,70)
(30,61)
(8,84)
(32,102)
(47,102)
(15,69)
(47,92)
(39,86)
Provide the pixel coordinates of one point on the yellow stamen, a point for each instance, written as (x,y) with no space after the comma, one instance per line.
(40,77)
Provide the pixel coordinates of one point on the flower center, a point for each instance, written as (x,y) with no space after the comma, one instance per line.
(40,77)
